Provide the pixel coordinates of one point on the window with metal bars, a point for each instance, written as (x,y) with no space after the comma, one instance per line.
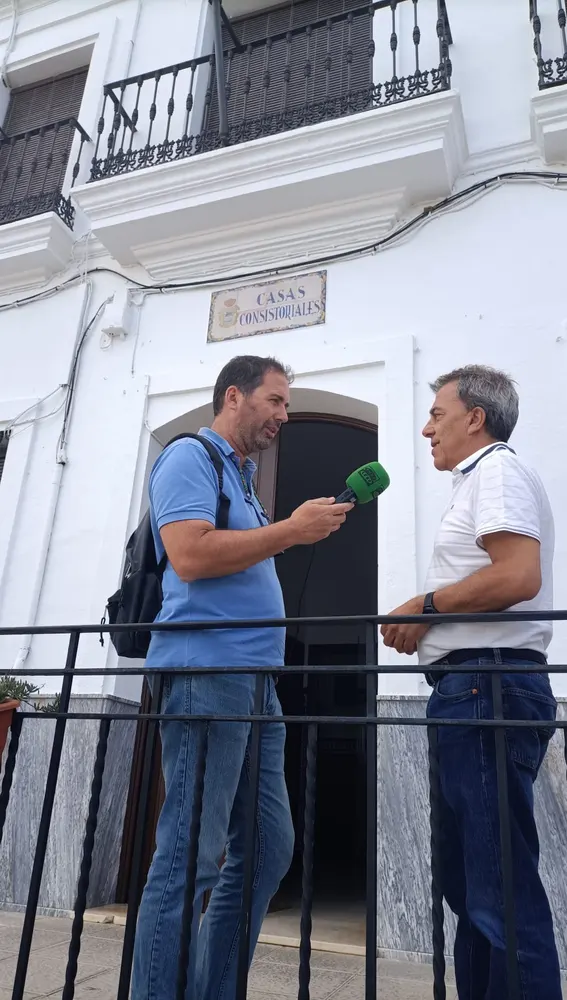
(299,63)
(4,438)
(35,142)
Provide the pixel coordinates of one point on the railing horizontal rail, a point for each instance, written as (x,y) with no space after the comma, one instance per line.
(43,129)
(193,626)
(339,668)
(162,71)
(339,720)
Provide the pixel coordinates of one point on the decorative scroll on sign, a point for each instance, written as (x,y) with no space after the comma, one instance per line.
(268,308)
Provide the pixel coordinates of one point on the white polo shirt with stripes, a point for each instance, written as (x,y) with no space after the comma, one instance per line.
(492,491)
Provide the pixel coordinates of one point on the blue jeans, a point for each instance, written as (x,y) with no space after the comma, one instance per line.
(470,831)
(214,947)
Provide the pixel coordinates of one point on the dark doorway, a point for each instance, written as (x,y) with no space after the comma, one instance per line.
(336,577)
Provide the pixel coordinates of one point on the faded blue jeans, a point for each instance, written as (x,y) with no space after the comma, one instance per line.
(470,831)
(214,951)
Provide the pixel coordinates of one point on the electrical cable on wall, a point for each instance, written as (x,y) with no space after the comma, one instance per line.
(61,444)
(9,43)
(454,202)
(68,388)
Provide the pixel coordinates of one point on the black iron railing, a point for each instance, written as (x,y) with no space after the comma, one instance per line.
(313,725)
(549,22)
(301,76)
(33,166)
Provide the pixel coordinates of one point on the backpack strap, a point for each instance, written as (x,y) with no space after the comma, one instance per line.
(216,459)
(223,502)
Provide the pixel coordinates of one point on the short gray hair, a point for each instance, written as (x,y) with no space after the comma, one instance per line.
(490,390)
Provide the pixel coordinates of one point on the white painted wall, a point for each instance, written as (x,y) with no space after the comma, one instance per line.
(483,284)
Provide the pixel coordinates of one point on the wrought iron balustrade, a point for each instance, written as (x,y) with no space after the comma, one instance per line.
(549,22)
(303,75)
(33,166)
(497,726)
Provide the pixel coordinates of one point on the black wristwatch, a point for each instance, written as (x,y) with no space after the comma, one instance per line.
(428,605)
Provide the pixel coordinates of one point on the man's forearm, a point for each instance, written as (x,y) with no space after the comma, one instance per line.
(222,553)
(492,588)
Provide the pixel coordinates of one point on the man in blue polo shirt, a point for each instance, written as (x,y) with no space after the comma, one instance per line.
(216,575)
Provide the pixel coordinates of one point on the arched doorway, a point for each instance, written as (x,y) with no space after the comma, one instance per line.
(315,453)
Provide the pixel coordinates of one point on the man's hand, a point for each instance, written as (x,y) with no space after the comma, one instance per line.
(404,638)
(317,519)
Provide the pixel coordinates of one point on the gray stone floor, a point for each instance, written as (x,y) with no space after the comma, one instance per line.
(273,976)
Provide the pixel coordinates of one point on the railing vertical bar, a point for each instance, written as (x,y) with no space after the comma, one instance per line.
(371,813)
(86,861)
(250,848)
(77,164)
(49,161)
(15,733)
(307,67)
(505,843)
(287,70)
(219,66)
(99,131)
(443,34)
(416,36)
(189,102)
(306,922)
(394,40)
(562,21)
(34,164)
(19,169)
(135,887)
(247,84)
(437,914)
(192,861)
(153,108)
(266,75)
(45,821)
(328,59)
(135,114)
(171,103)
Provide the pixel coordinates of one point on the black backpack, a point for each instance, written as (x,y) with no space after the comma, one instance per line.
(140,596)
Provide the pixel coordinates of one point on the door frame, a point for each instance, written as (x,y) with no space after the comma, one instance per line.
(268,461)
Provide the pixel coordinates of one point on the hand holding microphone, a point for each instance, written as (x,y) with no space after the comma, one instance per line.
(317,519)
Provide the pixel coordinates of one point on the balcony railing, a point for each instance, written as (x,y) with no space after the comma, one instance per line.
(33,166)
(550,36)
(305,75)
(312,725)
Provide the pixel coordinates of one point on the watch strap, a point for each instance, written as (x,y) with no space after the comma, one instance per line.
(428,605)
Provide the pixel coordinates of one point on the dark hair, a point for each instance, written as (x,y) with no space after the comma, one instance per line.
(490,390)
(246,372)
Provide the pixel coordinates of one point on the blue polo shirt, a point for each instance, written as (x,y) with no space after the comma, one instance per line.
(184,487)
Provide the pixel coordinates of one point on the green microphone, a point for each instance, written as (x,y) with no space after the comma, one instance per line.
(365,484)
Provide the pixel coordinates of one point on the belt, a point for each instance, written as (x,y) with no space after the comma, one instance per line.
(458,656)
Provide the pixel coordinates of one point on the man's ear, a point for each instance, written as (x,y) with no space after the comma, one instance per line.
(476,420)
(231,397)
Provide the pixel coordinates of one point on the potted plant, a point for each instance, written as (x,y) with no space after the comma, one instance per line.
(12,693)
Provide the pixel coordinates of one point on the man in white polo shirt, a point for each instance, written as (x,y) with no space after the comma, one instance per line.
(493,552)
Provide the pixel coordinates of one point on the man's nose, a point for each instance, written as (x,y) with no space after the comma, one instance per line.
(283,416)
(427,430)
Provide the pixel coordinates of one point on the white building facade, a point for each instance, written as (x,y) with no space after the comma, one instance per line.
(131,194)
